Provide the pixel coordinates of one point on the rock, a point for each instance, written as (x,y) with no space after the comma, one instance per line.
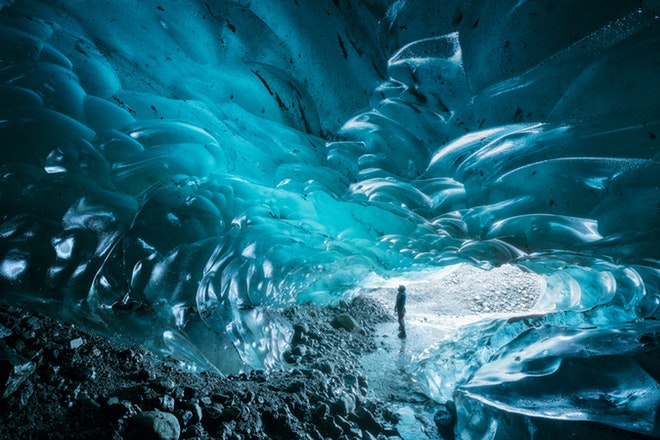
(163,385)
(153,425)
(196,411)
(368,421)
(142,375)
(345,321)
(350,380)
(117,409)
(184,416)
(14,369)
(231,412)
(248,396)
(320,413)
(332,429)
(75,343)
(167,402)
(4,331)
(391,416)
(212,417)
(299,350)
(344,424)
(325,367)
(445,419)
(290,358)
(24,394)
(156,425)
(278,424)
(196,431)
(295,387)
(366,435)
(80,373)
(316,336)
(345,404)
(300,333)
(223,399)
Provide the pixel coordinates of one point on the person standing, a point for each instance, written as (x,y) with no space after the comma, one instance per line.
(400,309)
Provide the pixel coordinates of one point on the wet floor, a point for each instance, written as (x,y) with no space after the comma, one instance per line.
(390,378)
(438,303)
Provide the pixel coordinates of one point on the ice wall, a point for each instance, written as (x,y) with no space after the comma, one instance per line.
(172,174)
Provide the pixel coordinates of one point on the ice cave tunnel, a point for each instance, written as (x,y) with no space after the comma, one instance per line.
(174,171)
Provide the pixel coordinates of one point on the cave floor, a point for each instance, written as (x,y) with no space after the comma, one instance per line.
(438,303)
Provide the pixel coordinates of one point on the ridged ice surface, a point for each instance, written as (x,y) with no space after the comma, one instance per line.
(172,174)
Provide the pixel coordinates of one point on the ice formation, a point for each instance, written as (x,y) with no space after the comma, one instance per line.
(172,174)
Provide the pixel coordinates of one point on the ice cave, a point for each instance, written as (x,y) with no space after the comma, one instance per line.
(174,171)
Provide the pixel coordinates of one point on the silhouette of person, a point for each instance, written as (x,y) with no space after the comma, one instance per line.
(400,309)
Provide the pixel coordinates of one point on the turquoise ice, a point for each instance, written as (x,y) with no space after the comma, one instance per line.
(174,175)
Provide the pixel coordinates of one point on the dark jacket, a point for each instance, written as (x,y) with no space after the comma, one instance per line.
(400,306)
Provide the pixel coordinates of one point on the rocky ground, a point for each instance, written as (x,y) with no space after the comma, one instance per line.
(61,382)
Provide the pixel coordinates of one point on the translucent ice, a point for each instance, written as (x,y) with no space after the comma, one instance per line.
(174,175)
(594,374)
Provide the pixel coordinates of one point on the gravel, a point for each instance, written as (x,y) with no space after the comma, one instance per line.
(62,382)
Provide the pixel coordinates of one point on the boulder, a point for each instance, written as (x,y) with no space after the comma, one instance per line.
(154,425)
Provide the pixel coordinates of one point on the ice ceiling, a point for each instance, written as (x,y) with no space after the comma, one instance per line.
(172,171)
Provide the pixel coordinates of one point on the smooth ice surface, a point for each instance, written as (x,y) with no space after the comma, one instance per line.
(174,175)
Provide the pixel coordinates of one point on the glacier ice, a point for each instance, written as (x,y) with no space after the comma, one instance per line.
(173,175)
